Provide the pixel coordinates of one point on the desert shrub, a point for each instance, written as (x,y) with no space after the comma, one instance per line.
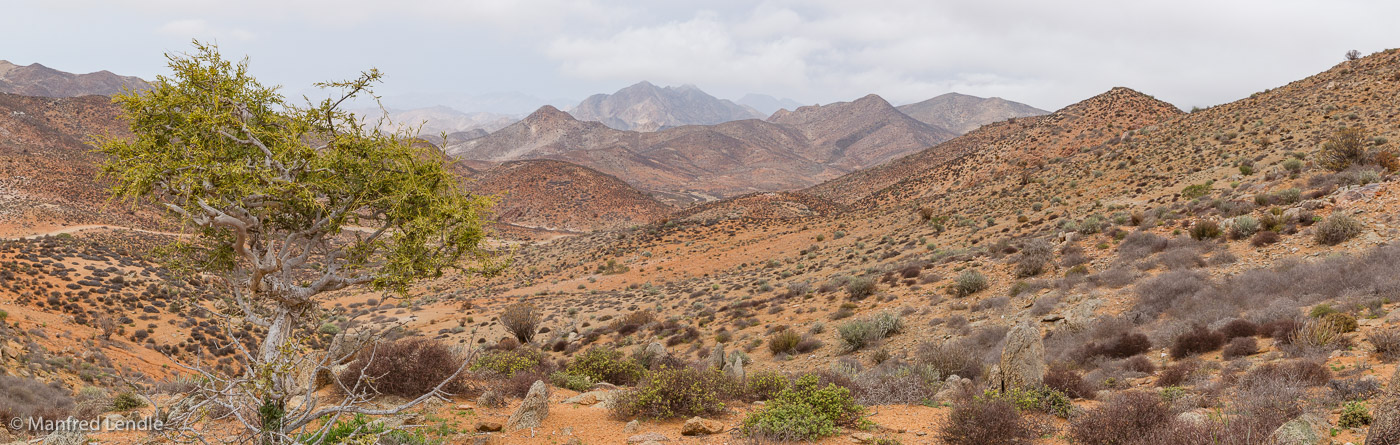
(1038,398)
(859,288)
(969,282)
(983,420)
(508,363)
(126,401)
(1139,363)
(1342,322)
(805,411)
(632,322)
(605,364)
(861,333)
(1034,256)
(522,320)
(764,385)
(1315,336)
(784,342)
(1205,230)
(1061,378)
(1243,227)
(1240,347)
(407,367)
(1360,388)
(572,382)
(26,398)
(1354,415)
(1264,238)
(1177,373)
(1386,343)
(950,358)
(1346,147)
(892,382)
(1159,293)
(1335,229)
(1125,419)
(1123,345)
(989,303)
(1196,340)
(1239,327)
(1305,372)
(1138,245)
(671,393)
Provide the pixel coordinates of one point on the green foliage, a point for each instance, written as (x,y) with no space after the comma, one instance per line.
(1343,322)
(605,364)
(1354,415)
(1205,230)
(507,363)
(860,287)
(765,385)
(353,430)
(1039,398)
(247,167)
(969,282)
(3,316)
(1195,191)
(672,393)
(1243,227)
(569,381)
(784,342)
(805,411)
(1321,310)
(127,401)
(861,333)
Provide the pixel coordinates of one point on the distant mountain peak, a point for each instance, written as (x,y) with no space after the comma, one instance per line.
(962,113)
(38,80)
(647,107)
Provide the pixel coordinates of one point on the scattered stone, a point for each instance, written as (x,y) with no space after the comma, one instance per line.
(532,410)
(699,426)
(491,399)
(488,427)
(631,427)
(656,351)
(716,360)
(736,369)
(585,399)
(648,437)
(863,437)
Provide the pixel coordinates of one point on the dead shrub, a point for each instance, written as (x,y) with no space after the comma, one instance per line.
(1304,372)
(408,367)
(951,358)
(522,320)
(1336,229)
(1125,419)
(1123,345)
(1139,363)
(1196,340)
(986,421)
(25,398)
(1240,347)
(1060,378)
(1177,373)
(1239,328)
(1159,293)
(1386,343)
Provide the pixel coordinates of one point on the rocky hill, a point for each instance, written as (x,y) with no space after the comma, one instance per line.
(766,104)
(647,107)
(39,80)
(961,113)
(860,133)
(560,196)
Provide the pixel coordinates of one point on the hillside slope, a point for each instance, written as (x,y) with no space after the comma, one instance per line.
(961,113)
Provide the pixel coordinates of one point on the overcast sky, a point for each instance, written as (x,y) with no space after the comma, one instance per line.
(1043,53)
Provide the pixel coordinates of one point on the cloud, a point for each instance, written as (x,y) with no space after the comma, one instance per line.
(198,28)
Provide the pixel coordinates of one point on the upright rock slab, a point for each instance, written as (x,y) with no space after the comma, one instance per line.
(1023,359)
(532,410)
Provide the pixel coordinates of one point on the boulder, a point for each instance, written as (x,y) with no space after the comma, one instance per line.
(736,369)
(1385,415)
(951,388)
(490,399)
(1306,429)
(699,426)
(632,427)
(716,359)
(656,351)
(1022,362)
(488,427)
(532,410)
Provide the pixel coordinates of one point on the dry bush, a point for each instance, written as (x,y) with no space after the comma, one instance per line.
(1123,345)
(1239,328)
(1360,388)
(1240,347)
(986,421)
(784,342)
(950,358)
(522,320)
(1159,293)
(1264,238)
(1336,229)
(407,368)
(1139,363)
(1196,340)
(1138,245)
(1205,230)
(1302,372)
(896,383)
(1060,378)
(1114,277)
(1177,373)
(632,322)
(25,398)
(1386,343)
(1315,337)
(1125,419)
(859,288)
(1346,147)
(1034,257)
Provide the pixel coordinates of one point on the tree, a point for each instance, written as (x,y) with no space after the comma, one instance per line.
(287,202)
(1353,55)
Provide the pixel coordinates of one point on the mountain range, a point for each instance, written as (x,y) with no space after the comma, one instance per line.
(39,80)
(647,107)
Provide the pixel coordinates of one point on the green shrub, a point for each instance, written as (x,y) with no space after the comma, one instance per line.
(1205,229)
(985,421)
(784,342)
(1354,415)
(805,411)
(1244,227)
(1335,229)
(1321,310)
(1039,398)
(969,282)
(861,333)
(1342,321)
(672,393)
(356,429)
(569,381)
(605,364)
(859,288)
(508,363)
(1195,191)
(127,401)
(765,385)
